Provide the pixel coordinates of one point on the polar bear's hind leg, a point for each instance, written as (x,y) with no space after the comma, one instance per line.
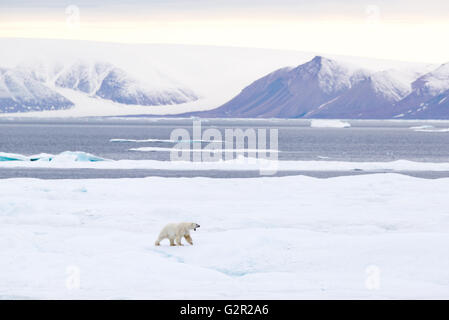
(159,239)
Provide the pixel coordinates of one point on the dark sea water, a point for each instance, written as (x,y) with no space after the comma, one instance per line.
(373,141)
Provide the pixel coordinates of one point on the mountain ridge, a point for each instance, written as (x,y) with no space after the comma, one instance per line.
(36,83)
(214,74)
(326,88)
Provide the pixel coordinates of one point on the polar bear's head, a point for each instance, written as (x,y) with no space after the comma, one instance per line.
(193,226)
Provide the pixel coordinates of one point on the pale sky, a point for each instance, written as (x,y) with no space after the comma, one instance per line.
(397,29)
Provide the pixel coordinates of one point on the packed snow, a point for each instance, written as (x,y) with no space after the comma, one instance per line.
(382,236)
(329,124)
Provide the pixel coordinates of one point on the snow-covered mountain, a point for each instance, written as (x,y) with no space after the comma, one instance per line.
(20,92)
(293,92)
(429,96)
(119,87)
(205,76)
(107,81)
(33,86)
(84,77)
(374,97)
(326,88)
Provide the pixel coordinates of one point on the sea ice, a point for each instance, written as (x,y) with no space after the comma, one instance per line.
(357,237)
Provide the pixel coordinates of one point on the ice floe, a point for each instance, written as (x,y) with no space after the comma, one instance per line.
(428,128)
(329,124)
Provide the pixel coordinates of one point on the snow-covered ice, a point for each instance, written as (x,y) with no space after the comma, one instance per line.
(82,160)
(262,238)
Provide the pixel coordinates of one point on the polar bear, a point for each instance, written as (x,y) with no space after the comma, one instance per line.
(175,231)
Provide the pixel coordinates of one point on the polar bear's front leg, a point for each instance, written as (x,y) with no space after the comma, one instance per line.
(172,242)
(178,240)
(189,239)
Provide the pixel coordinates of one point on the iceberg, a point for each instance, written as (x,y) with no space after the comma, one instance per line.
(329,124)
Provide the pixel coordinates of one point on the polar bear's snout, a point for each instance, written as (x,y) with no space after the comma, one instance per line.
(196,226)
